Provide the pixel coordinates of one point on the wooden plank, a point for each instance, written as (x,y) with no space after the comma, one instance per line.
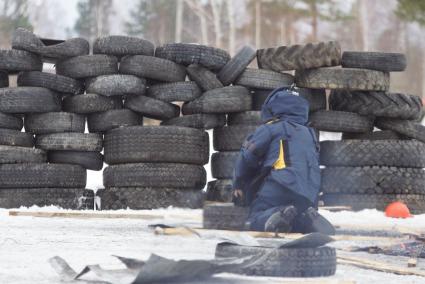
(184,231)
(378,266)
(84,215)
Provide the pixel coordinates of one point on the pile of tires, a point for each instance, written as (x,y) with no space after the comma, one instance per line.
(46,164)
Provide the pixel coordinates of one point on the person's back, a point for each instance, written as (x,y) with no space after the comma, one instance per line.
(278,168)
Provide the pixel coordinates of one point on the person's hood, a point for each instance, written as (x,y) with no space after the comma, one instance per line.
(283,104)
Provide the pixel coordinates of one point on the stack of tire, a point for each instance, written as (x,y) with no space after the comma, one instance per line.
(159,166)
(47,174)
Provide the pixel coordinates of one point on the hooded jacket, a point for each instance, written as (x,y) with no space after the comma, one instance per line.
(284,149)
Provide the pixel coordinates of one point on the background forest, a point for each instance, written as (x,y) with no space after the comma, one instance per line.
(375,25)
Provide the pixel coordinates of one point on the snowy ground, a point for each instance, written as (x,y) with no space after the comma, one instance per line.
(26,243)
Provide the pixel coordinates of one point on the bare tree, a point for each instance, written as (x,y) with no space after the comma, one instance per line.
(216,6)
(179,20)
(232,28)
(257,23)
(199,9)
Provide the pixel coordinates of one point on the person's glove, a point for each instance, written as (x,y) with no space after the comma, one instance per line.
(238,198)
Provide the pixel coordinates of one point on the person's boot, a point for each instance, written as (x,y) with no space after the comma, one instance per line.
(281,221)
(311,221)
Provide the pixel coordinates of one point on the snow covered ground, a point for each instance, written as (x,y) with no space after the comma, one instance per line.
(26,244)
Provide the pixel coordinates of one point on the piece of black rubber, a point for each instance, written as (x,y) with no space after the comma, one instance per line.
(186,54)
(85,66)
(251,117)
(166,175)
(204,78)
(376,135)
(116,85)
(14,61)
(264,79)
(235,66)
(12,137)
(175,92)
(152,108)
(50,81)
(220,190)
(392,153)
(223,100)
(415,202)
(54,122)
(153,68)
(91,103)
(200,121)
(373,180)
(149,198)
(223,164)
(381,61)
(407,128)
(31,175)
(88,160)
(28,100)
(123,45)
(168,144)
(282,262)
(66,198)
(103,121)
(16,154)
(70,142)
(11,121)
(231,138)
(340,121)
(225,216)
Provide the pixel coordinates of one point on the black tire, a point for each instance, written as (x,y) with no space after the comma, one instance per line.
(88,160)
(204,78)
(28,100)
(50,81)
(282,262)
(373,180)
(220,190)
(223,100)
(4,79)
(152,108)
(32,175)
(157,175)
(54,122)
(70,142)
(168,144)
(235,66)
(175,92)
(340,121)
(14,154)
(66,198)
(245,118)
(298,57)
(153,68)
(91,103)
(10,121)
(407,128)
(343,78)
(26,40)
(392,153)
(200,121)
(14,61)
(87,66)
(103,121)
(415,202)
(380,104)
(225,216)
(123,45)
(264,79)
(116,85)
(231,138)
(223,164)
(11,137)
(139,198)
(316,98)
(381,61)
(186,54)
(376,135)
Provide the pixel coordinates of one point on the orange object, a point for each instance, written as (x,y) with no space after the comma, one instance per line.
(397,210)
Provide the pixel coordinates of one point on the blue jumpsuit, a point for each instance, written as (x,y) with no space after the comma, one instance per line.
(284,152)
